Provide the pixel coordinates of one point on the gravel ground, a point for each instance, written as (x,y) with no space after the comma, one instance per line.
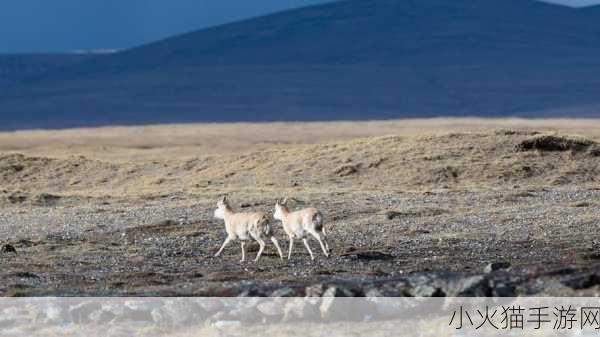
(164,246)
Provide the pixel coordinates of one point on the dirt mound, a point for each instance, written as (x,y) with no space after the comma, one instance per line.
(19,197)
(13,197)
(46,199)
(346,170)
(555,143)
(11,164)
(30,175)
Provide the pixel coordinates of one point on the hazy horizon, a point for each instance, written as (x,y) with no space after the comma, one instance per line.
(69,26)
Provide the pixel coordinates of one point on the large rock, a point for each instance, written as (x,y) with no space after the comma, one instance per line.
(495,266)
(338,291)
(8,248)
(315,290)
(338,303)
(211,305)
(425,285)
(271,307)
(83,313)
(447,284)
(285,292)
(301,309)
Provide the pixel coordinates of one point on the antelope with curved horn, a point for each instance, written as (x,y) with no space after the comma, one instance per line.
(244,226)
(298,224)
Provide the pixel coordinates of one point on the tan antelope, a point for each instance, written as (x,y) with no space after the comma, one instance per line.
(297,225)
(244,226)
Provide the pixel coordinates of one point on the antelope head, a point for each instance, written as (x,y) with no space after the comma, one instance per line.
(280,208)
(222,205)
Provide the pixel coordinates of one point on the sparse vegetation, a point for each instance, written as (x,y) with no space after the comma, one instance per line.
(555,143)
(426,199)
(346,170)
(423,212)
(515,132)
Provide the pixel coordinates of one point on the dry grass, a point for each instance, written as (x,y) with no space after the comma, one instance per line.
(555,143)
(126,144)
(426,157)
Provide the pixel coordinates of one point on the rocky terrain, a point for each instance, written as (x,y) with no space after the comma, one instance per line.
(491,211)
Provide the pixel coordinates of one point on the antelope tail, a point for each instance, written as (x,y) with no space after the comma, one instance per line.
(318,221)
(267,229)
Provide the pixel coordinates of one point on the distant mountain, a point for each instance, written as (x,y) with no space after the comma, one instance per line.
(16,68)
(356,59)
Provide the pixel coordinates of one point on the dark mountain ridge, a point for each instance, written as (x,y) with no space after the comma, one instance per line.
(373,31)
(356,59)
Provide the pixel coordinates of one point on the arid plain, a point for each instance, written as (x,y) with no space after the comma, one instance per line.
(412,207)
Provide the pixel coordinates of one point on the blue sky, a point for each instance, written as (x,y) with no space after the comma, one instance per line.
(68,25)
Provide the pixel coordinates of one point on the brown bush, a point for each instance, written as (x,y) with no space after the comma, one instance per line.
(555,143)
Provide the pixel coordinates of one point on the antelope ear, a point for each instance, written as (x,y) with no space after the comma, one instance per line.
(284,202)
